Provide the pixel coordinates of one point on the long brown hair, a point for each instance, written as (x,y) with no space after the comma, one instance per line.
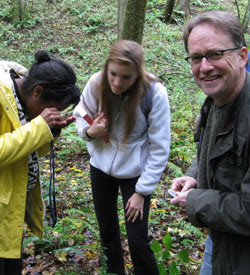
(125,52)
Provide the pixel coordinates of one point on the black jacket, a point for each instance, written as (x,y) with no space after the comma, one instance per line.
(223,203)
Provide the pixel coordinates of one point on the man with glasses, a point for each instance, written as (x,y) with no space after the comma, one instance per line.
(216,188)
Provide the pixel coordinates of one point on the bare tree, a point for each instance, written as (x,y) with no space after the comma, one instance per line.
(246,17)
(169,10)
(185,7)
(19,11)
(134,20)
(122,5)
(182,5)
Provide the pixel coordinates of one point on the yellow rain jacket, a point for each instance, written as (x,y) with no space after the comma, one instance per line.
(16,143)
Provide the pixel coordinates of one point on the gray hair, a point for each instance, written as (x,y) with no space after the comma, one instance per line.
(224,21)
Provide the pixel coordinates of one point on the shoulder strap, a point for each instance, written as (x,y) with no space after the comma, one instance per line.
(13,74)
(146,103)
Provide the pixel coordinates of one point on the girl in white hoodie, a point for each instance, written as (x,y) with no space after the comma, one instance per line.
(128,143)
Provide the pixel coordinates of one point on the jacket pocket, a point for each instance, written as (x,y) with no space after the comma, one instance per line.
(6,182)
(229,180)
(127,162)
(229,167)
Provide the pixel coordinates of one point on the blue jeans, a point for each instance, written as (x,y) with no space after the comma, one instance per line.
(206,268)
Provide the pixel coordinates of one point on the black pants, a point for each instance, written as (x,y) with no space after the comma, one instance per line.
(11,266)
(105,192)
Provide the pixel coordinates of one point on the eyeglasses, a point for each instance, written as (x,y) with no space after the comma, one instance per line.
(212,56)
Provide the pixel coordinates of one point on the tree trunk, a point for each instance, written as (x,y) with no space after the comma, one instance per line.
(246,18)
(169,10)
(134,20)
(19,11)
(185,6)
(122,5)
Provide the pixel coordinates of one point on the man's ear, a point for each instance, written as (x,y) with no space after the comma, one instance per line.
(244,56)
(38,90)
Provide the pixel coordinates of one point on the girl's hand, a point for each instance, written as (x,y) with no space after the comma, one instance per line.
(99,127)
(53,118)
(66,121)
(134,207)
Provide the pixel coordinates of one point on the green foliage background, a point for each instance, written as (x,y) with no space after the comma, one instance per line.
(81,33)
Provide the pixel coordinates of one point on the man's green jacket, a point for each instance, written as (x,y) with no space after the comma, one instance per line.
(222,204)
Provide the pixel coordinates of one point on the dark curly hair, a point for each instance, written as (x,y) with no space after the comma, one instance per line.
(55,76)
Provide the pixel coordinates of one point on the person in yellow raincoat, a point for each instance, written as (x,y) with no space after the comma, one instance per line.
(30,105)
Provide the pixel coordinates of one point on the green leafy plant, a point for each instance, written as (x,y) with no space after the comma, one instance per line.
(168,263)
(71,142)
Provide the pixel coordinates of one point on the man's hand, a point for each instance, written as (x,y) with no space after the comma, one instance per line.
(181,198)
(134,207)
(182,186)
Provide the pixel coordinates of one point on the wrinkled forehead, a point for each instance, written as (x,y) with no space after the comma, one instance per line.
(207,36)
